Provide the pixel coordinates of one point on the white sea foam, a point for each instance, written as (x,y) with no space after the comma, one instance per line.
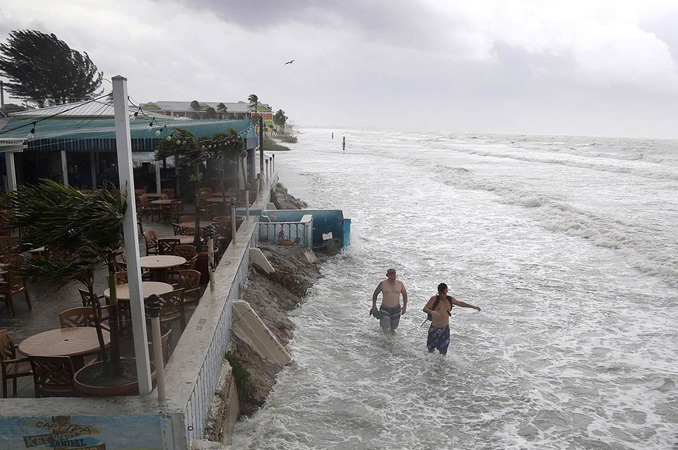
(572,257)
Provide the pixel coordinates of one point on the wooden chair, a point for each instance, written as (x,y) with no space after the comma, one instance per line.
(53,376)
(165,335)
(82,316)
(187,218)
(121,278)
(14,284)
(12,368)
(189,281)
(176,210)
(94,300)
(166,245)
(189,252)
(207,209)
(173,308)
(8,245)
(206,190)
(168,192)
(151,242)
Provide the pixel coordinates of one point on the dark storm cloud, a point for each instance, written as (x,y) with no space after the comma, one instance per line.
(412,25)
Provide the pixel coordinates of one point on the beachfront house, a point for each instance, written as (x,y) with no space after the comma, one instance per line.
(239,110)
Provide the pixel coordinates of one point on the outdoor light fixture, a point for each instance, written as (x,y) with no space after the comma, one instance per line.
(150,124)
(134,116)
(31,134)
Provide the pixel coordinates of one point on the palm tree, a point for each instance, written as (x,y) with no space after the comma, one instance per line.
(195,106)
(188,153)
(88,227)
(254,99)
(210,113)
(221,110)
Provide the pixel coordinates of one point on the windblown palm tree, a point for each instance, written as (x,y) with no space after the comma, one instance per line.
(253,99)
(221,110)
(88,227)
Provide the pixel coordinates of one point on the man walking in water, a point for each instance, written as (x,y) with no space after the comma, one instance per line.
(439,307)
(390,308)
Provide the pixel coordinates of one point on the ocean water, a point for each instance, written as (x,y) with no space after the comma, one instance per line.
(568,244)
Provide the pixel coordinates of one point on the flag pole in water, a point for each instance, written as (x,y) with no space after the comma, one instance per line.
(343,143)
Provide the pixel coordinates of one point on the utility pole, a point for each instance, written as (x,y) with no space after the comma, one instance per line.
(2,95)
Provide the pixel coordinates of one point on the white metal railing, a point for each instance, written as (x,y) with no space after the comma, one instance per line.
(299,234)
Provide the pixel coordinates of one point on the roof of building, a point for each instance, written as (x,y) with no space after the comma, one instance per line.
(102,108)
(99,134)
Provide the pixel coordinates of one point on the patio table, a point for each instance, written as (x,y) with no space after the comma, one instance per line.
(160,263)
(184,239)
(148,288)
(203,224)
(154,195)
(76,342)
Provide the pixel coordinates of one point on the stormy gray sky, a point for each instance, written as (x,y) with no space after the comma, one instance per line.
(583,67)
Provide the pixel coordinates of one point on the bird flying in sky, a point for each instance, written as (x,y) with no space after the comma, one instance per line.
(289,62)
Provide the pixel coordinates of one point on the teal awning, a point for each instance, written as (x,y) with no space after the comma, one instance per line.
(99,134)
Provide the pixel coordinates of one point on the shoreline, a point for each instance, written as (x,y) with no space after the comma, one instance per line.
(272,296)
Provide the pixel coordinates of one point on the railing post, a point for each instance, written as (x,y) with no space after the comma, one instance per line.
(233,227)
(154,305)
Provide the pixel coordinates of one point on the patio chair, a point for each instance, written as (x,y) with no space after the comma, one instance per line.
(8,245)
(165,334)
(176,210)
(189,252)
(89,300)
(168,192)
(166,245)
(12,368)
(151,242)
(173,308)
(207,209)
(53,376)
(81,316)
(187,218)
(14,284)
(121,278)
(189,281)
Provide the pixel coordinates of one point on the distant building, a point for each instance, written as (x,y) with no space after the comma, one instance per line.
(240,110)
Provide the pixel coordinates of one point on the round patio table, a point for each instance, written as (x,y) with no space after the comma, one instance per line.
(161,261)
(159,264)
(203,224)
(219,200)
(154,195)
(162,202)
(148,287)
(184,239)
(75,342)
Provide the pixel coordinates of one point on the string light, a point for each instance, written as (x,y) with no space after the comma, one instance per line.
(31,134)
(134,116)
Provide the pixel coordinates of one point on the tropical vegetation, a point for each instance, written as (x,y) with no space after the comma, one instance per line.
(82,234)
(44,70)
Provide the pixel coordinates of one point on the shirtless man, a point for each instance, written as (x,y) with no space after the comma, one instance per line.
(390,302)
(439,331)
